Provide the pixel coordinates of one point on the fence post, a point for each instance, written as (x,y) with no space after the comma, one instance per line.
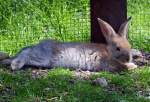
(112,11)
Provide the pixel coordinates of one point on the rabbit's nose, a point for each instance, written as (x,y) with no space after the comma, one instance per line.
(127,57)
(124,57)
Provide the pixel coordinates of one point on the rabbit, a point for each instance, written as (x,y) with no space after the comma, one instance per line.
(115,56)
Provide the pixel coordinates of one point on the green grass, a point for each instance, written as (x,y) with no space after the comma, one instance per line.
(24,22)
(139,29)
(56,87)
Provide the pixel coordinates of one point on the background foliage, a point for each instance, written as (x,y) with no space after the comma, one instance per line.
(139,29)
(24,22)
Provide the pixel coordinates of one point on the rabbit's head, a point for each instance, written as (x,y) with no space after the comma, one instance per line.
(118,45)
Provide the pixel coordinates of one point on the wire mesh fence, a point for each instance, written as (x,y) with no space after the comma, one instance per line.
(140,26)
(24,22)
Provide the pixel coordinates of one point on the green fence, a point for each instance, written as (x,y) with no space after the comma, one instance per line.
(24,22)
(140,25)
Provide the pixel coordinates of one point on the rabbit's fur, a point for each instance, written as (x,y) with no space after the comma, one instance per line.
(115,56)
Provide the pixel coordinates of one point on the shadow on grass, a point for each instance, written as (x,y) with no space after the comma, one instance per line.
(61,85)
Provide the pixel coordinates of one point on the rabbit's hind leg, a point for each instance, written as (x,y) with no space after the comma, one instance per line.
(21,59)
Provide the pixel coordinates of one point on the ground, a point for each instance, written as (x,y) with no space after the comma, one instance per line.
(61,85)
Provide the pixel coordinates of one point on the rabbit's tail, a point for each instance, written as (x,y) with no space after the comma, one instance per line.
(3,56)
(5,59)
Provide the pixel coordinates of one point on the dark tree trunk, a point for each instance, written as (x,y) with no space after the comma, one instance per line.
(112,11)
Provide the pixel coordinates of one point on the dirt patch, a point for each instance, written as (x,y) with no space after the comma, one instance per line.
(141,58)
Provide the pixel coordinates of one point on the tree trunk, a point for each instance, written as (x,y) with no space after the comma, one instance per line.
(112,11)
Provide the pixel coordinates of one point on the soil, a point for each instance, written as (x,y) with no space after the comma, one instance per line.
(141,58)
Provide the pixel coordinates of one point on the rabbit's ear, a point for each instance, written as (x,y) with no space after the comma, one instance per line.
(106,29)
(123,30)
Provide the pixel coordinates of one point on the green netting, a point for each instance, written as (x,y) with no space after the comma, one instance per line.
(140,25)
(24,22)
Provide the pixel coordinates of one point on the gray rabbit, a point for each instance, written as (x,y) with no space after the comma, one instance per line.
(114,57)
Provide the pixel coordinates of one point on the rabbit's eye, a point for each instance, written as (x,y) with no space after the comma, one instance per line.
(118,49)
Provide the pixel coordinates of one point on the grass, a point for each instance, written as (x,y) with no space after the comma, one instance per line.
(139,29)
(24,22)
(57,87)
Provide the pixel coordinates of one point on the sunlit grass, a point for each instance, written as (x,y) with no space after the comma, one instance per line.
(57,86)
(25,22)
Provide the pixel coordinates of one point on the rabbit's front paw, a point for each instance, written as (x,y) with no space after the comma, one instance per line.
(17,64)
(131,66)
